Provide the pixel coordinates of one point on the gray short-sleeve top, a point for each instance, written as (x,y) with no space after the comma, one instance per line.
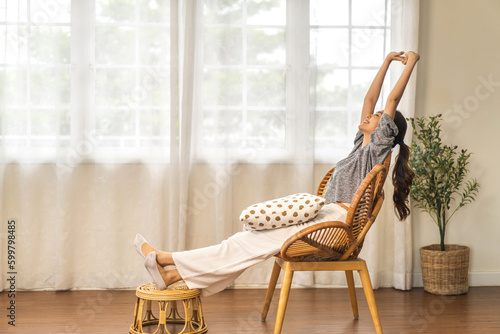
(350,172)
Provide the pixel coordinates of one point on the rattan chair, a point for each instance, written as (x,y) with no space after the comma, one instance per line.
(332,246)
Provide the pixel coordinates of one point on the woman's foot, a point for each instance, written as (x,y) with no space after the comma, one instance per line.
(162,278)
(144,248)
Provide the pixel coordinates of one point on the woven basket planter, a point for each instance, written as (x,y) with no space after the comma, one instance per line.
(445,272)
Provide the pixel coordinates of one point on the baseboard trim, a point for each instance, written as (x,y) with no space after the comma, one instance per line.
(475,279)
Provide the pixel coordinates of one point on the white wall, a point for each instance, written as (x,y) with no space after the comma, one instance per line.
(460,51)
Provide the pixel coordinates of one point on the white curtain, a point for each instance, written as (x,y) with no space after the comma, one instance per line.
(111,160)
(96,138)
(388,248)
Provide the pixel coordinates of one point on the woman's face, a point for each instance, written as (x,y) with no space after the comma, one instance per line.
(370,123)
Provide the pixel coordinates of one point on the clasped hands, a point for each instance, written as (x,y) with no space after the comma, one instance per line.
(404,57)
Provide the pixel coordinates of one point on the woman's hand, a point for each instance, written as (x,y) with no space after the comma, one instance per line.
(396,56)
(411,56)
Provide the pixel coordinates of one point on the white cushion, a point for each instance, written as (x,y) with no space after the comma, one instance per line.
(282,212)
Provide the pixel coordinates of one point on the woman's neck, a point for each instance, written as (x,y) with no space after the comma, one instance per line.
(366,139)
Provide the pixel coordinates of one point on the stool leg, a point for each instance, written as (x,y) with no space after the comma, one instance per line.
(139,315)
(188,324)
(149,316)
(198,316)
(136,318)
(162,321)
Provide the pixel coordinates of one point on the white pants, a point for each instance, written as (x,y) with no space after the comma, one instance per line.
(213,268)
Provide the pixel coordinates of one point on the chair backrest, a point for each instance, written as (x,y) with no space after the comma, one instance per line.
(364,209)
(340,240)
(324,182)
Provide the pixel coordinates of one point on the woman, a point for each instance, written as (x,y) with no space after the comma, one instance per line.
(213,268)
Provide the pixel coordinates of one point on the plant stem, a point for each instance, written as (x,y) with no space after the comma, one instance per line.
(442,230)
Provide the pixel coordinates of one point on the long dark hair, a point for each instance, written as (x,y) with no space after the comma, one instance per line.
(402,175)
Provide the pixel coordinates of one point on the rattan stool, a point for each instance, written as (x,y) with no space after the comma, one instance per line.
(168,312)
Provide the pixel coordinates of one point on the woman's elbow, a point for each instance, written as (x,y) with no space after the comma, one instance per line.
(393,100)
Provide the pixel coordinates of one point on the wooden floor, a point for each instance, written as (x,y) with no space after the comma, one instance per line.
(238,311)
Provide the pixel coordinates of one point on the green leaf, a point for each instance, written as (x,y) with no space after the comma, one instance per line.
(440,172)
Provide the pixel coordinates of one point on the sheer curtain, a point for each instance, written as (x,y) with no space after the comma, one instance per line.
(168,118)
(96,109)
(388,246)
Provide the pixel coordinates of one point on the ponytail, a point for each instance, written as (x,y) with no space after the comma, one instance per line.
(402,177)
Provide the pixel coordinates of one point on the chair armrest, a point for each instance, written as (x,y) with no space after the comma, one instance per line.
(327,240)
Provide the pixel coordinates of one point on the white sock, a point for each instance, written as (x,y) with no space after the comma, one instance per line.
(152,268)
(138,242)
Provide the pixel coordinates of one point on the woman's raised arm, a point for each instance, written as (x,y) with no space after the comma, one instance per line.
(410,60)
(373,93)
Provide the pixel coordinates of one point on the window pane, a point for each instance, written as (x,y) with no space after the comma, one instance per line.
(222,128)
(367,47)
(154,87)
(113,11)
(50,45)
(50,86)
(330,46)
(222,87)
(266,88)
(223,11)
(266,12)
(154,46)
(331,130)
(368,12)
(331,88)
(50,122)
(14,122)
(43,12)
(15,39)
(115,123)
(154,124)
(13,87)
(116,87)
(115,45)
(266,47)
(15,11)
(329,12)
(361,81)
(266,129)
(223,46)
(154,11)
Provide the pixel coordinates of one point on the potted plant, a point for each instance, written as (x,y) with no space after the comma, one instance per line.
(440,172)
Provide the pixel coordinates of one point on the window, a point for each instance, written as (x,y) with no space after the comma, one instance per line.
(94,76)
(244,64)
(250,50)
(89,76)
(36,74)
(349,41)
(132,73)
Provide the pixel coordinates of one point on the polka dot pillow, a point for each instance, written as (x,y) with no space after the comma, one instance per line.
(282,212)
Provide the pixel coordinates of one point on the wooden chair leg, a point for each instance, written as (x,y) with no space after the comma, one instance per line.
(352,293)
(285,291)
(270,290)
(370,297)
